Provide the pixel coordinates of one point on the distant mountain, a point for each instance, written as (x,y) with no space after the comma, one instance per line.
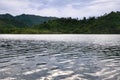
(31,20)
(6,16)
(7,20)
(25,20)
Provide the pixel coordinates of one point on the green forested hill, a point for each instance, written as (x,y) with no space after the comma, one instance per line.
(106,24)
(20,24)
(8,23)
(31,20)
(27,20)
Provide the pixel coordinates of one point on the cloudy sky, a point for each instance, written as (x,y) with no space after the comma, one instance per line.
(59,8)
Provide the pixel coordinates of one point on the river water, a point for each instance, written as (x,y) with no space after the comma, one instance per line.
(59,57)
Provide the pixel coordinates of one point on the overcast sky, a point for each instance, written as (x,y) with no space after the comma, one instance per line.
(59,8)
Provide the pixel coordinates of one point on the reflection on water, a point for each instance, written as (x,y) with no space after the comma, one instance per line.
(59,57)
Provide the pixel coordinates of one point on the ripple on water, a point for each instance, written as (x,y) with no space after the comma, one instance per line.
(59,60)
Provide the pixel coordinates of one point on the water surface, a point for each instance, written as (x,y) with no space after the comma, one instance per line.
(59,57)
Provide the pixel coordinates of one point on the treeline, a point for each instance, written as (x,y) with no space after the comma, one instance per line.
(106,24)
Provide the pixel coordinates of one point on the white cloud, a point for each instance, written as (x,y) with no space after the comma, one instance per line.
(94,8)
(67,8)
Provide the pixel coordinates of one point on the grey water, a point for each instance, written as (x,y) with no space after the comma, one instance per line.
(59,57)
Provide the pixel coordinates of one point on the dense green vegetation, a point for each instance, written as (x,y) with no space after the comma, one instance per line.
(30,24)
